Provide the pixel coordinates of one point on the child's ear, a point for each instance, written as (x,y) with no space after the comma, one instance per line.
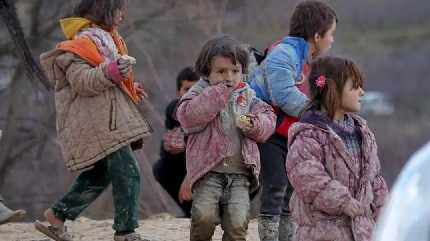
(317,37)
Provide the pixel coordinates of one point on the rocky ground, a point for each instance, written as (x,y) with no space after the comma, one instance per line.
(158,228)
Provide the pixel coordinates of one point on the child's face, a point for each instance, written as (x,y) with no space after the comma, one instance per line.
(223,70)
(118,17)
(323,43)
(185,86)
(351,97)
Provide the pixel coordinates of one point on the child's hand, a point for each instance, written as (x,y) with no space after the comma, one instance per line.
(245,122)
(140,91)
(125,63)
(185,193)
(128,58)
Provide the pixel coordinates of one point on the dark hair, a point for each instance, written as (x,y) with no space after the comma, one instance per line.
(224,46)
(101,12)
(336,72)
(310,18)
(186,73)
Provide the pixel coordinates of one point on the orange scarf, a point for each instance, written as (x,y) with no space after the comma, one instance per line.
(86,49)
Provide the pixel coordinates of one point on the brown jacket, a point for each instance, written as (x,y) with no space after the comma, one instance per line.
(94,117)
(326,181)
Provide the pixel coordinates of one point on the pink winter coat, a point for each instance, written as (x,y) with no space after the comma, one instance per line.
(325,181)
(207,144)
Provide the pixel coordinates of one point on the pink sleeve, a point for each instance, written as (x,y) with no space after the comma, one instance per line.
(310,179)
(264,122)
(174,141)
(379,186)
(112,72)
(195,110)
(380,191)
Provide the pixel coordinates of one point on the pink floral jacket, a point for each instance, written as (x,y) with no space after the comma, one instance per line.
(326,181)
(207,144)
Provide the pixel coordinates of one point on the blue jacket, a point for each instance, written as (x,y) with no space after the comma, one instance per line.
(274,81)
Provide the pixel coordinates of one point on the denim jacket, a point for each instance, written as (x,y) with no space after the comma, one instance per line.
(274,81)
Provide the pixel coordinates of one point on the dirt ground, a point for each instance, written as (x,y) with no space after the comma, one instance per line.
(158,228)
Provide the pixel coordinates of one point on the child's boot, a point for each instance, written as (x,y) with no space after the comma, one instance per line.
(268,228)
(286,229)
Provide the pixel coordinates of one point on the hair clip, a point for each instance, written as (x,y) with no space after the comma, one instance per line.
(320,81)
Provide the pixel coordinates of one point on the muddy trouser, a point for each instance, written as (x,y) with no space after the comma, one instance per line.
(220,198)
(274,220)
(119,168)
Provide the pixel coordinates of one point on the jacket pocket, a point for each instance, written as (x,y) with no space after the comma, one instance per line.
(112,115)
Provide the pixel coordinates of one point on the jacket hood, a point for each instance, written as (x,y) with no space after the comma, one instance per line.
(302,47)
(71,26)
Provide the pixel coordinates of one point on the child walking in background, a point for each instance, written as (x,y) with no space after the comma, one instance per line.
(280,80)
(97,117)
(332,161)
(170,170)
(223,120)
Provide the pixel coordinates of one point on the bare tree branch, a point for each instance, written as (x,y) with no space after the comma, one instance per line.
(35,23)
(9,134)
(19,151)
(149,18)
(18,86)
(50,26)
(9,18)
(5,48)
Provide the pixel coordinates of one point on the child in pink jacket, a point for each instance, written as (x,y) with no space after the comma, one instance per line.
(333,163)
(224,120)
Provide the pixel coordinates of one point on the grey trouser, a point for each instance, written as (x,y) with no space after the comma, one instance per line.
(220,198)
